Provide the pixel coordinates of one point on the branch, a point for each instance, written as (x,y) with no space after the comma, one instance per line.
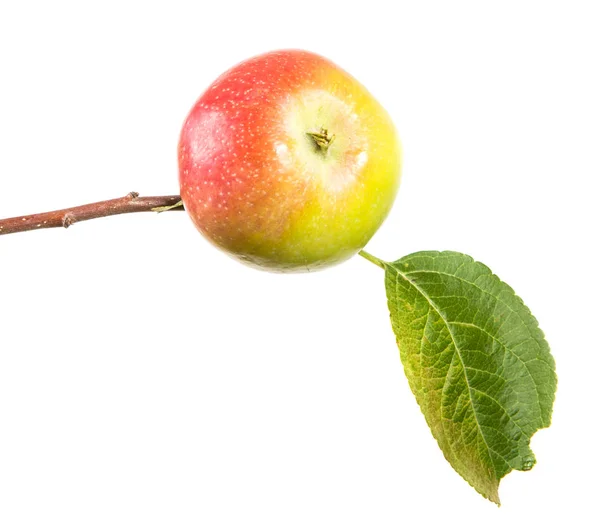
(123,205)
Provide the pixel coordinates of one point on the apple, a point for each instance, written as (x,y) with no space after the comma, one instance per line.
(288,163)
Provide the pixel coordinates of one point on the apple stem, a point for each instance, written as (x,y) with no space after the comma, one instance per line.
(66,217)
(321,139)
(371,258)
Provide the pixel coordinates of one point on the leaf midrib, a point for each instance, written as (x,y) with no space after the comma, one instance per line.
(438,311)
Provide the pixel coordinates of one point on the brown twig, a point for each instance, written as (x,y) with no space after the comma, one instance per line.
(123,205)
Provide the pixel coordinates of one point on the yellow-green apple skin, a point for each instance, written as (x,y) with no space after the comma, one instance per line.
(288,163)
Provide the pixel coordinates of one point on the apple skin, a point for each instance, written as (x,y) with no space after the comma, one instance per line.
(288,163)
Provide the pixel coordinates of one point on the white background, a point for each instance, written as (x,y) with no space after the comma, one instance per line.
(144,373)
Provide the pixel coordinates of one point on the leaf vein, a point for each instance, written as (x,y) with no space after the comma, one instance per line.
(452,337)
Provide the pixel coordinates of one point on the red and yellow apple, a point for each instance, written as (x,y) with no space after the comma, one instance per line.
(288,163)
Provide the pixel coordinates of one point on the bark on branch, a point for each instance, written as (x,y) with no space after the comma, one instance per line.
(123,205)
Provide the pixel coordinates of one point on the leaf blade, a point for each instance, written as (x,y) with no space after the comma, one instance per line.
(476,361)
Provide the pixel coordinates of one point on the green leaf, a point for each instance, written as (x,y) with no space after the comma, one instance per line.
(476,361)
